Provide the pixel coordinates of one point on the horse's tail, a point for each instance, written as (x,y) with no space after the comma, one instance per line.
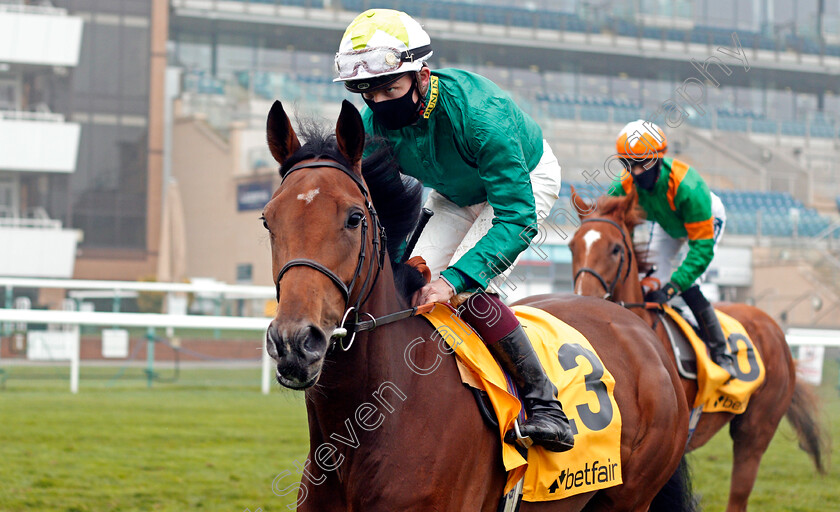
(802,415)
(677,494)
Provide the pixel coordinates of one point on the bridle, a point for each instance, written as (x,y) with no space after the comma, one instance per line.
(625,253)
(350,321)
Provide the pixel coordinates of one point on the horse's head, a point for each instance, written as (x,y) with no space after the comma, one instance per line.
(326,245)
(602,248)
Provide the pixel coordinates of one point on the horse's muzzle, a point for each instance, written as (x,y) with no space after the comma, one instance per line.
(299,351)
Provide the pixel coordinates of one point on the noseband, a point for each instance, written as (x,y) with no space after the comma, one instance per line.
(609,289)
(350,321)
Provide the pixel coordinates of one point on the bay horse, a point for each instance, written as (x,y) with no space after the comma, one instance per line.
(391,427)
(606,265)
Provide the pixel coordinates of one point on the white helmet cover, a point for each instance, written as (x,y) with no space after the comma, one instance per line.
(379,43)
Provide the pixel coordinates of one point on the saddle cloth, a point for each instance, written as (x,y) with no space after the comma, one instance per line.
(714,392)
(585,389)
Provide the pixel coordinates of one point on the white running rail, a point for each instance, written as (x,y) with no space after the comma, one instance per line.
(257,325)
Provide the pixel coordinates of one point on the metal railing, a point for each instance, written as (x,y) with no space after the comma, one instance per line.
(17,6)
(24,115)
(27,223)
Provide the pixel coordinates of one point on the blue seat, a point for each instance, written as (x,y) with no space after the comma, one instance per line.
(764,126)
(595,113)
(822,130)
(793,128)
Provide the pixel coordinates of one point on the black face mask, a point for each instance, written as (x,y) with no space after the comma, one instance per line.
(398,112)
(647,178)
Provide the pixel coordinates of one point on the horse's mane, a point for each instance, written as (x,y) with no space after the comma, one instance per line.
(395,196)
(612,206)
(397,199)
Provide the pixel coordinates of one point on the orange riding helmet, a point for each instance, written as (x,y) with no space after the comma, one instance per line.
(641,140)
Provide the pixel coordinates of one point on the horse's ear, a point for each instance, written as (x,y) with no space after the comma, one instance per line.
(628,208)
(282,141)
(350,134)
(581,207)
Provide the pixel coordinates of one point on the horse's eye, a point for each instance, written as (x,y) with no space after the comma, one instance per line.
(265,224)
(354,220)
(616,250)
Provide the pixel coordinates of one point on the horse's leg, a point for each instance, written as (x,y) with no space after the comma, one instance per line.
(319,493)
(748,448)
(753,430)
(751,434)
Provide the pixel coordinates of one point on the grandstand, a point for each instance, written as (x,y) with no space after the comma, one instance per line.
(764,131)
(283,48)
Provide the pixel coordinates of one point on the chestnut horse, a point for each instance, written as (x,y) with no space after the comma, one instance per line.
(607,262)
(386,434)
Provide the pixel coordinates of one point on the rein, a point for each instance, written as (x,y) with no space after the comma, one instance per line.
(350,322)
(626,253)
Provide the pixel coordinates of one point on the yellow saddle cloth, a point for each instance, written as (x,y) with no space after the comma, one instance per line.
(714,392)
(585,389)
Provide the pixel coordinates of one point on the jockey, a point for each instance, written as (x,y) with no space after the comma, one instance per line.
(491,173)
(679,205)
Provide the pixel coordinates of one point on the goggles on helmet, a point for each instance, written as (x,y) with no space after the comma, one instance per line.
(376,60)
(628,163)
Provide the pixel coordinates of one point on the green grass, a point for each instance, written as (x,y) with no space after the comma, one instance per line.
(787,480)
(211,441)
(177,447)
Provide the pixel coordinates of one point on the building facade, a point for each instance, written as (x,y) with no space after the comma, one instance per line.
(81,108)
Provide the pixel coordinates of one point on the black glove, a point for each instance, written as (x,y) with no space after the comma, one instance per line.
(662,295)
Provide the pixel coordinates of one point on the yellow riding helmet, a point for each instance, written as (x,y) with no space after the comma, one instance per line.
(641,140)
(379,46)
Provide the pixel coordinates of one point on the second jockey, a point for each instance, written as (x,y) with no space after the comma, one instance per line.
(680,207)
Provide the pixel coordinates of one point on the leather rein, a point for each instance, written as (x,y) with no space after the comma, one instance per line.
(350,323)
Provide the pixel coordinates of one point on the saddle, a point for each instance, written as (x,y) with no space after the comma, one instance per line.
(596,420)
(716,391)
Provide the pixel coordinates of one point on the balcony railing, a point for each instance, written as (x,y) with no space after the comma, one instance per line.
(36,218)
(19,7)
(23,115)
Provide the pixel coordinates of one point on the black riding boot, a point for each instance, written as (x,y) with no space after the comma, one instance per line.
(547,424)
(710,329)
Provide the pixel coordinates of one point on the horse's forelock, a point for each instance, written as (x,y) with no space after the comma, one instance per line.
(633,215)
(624,209)
(320,144)
(396,197)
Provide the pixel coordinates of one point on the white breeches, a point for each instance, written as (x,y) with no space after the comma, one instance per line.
(454,230)
(663,250)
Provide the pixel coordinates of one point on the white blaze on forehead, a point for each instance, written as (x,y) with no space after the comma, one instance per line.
(591,236)
(309,196)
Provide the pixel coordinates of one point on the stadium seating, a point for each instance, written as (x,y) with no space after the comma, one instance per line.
(199,82)
(476,12)
(592,108)
(747,212)
(773,213)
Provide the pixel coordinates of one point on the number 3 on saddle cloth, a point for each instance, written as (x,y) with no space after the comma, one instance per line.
(714,392)
(585,389)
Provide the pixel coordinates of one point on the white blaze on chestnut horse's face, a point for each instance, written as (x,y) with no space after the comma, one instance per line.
(591,236)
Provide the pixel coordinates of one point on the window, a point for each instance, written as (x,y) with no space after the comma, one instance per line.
(244,273)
